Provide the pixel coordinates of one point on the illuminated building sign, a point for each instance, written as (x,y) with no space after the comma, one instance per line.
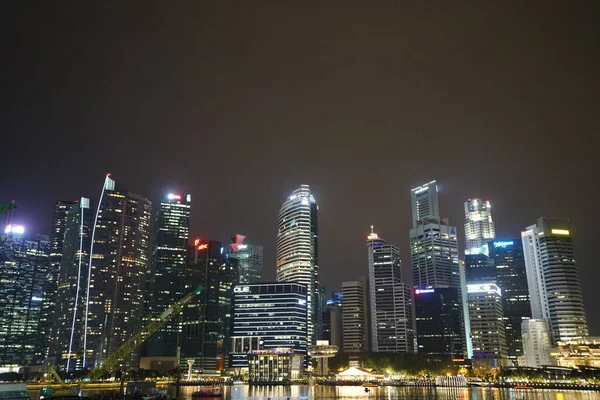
(172,196)
(488,287)
(560,232)
(421,291)
(504,244)
(478,250)
(241,289)
(203,246)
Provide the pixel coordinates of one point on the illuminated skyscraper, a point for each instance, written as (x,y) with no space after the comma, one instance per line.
(166,273)
(435,265)
(250,259)
(434,245)
(479,226)
(117,270)
(57,236)
(487,323)
(67,328)
(553,278)
(390,299)
(24,265)
(424,203)
(267,316)
(297,248)
(434,255)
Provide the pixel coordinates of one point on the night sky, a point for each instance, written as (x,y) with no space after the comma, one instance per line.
(239,103)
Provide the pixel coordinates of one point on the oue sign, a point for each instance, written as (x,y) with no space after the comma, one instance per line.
(241,289)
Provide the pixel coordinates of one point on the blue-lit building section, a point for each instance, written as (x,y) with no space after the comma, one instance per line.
(336,298)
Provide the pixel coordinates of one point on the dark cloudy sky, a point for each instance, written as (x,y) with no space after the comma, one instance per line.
(238,103)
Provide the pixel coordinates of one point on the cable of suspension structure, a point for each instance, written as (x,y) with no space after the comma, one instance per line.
(87,298)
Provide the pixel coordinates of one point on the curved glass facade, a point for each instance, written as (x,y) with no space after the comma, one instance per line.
(297,247)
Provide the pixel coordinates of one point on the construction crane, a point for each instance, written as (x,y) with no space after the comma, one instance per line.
(64,390)
(140,337)
(127,348)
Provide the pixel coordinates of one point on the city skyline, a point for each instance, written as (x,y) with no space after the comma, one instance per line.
(268,272)
(507,115)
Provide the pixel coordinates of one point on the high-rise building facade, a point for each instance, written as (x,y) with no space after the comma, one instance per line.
(553,278)
(355,316)
(24,265)
(487,323)
(250,259)
(66,341)
(502,263)
(510,276)
(164,281)
(57,236)
(439,323)
(268,316)
(117,270)
(434,255)
(433,242)
(479,226)
(537,343)
(390,299)
(298,250)
(435,265)
(206,321)
(424,203)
